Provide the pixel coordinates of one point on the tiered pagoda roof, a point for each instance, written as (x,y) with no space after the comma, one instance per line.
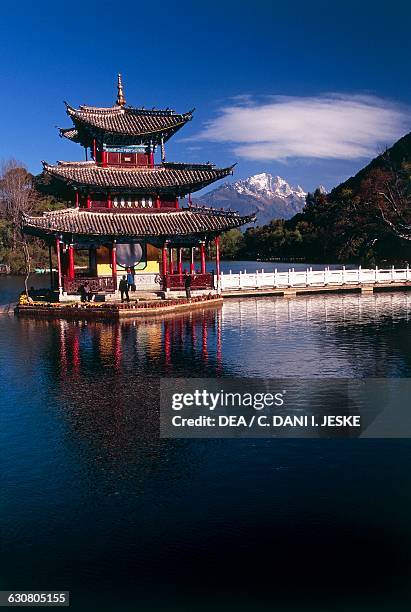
(182,223)
(112,176)
(120,125)
(162,179)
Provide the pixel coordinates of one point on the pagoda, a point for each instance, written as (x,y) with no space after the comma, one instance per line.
(123,208)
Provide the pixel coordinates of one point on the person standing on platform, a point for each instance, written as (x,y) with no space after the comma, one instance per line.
(130,279)
(187,284)
(123,287)
(85,293)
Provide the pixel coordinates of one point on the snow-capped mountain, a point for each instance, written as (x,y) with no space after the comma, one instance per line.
(271,196)
(267,186)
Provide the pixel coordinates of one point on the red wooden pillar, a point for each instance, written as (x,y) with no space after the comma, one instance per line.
(203,257)
(88,201)
(51,268)
(151,159)
(77,200)
(58,251)
(180,260)
(217,257)
(192,266)
(114,264)
(164,259)
(94,149)
(176,202)
(164,265)
(109,202)
(104,158)
(170,260)
(70,263)
(158,203)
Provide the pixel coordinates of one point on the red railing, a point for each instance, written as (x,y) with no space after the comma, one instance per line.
(198,281)
(96,284)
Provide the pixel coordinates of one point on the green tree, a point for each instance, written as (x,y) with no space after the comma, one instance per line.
(231,244)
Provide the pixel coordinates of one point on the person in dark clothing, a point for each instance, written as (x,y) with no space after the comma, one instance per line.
(83,293)
(187,284)
(123,287)
(89,295)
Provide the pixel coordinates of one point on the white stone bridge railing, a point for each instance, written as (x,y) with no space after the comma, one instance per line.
(313,278)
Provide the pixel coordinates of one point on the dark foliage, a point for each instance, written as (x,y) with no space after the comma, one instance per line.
(365,220)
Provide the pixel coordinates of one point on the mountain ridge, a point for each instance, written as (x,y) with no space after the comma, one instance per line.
(269,196)
(395,155)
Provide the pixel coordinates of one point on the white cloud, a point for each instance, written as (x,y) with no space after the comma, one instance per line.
(330,126)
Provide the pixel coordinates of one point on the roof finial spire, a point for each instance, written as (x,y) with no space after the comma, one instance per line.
(120,93)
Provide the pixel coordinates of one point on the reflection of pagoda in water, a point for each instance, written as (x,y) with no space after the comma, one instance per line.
(125,207)
(145,347)
(108,374)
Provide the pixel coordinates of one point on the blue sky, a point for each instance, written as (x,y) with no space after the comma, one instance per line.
(307,90)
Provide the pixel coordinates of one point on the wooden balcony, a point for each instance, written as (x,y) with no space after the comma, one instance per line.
(97,284)
(128,206)
(176,282)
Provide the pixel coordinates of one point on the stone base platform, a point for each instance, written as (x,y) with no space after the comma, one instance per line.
(111,297)
(113,311)
(137,295)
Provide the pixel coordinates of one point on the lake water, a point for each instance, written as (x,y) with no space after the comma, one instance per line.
(92,501)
